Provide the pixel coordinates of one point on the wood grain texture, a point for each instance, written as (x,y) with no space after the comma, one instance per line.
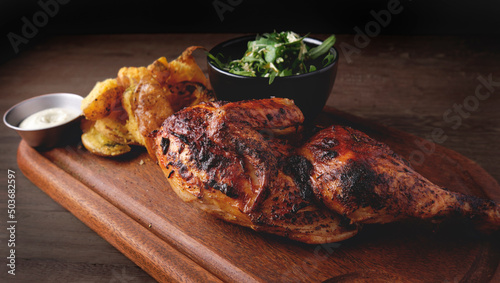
(132,239)
(406,82)
(128,201)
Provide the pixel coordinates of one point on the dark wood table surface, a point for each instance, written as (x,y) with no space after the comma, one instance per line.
(413,83)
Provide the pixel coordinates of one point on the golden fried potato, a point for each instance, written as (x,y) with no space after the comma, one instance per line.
(132,124)
(151,107)
(160,70)
(132,76)
(99,144)
(102,99)
(115,130)
(184,68)
(124,111)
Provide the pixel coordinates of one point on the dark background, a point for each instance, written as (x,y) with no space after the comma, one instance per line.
(440,17)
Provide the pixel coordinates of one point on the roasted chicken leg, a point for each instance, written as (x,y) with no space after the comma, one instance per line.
(364,180)
(229,160)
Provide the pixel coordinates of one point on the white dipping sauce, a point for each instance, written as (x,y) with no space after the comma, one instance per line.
(49,118)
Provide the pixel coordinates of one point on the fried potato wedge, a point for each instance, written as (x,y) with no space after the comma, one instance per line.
(184,68)
(115,131)
(132,122)
(99,144)
(132,76)
(126,109)
(102,99)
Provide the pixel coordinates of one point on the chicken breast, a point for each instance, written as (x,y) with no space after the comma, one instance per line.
(235,161)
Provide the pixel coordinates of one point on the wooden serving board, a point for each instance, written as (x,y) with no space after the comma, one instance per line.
(128,201)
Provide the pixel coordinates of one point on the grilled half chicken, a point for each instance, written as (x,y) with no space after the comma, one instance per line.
(247,163)
(235,161)
(367,182)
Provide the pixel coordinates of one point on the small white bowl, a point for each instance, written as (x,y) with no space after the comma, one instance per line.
(51,136)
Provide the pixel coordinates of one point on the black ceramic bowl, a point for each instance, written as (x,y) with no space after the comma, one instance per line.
(310,91)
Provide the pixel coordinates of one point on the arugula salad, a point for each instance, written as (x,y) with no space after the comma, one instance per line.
(277,54)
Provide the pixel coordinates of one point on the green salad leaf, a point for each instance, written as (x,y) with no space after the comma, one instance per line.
(277,54)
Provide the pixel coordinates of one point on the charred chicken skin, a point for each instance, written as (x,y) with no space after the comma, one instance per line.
(367,182)
(232,160)
(246,163)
